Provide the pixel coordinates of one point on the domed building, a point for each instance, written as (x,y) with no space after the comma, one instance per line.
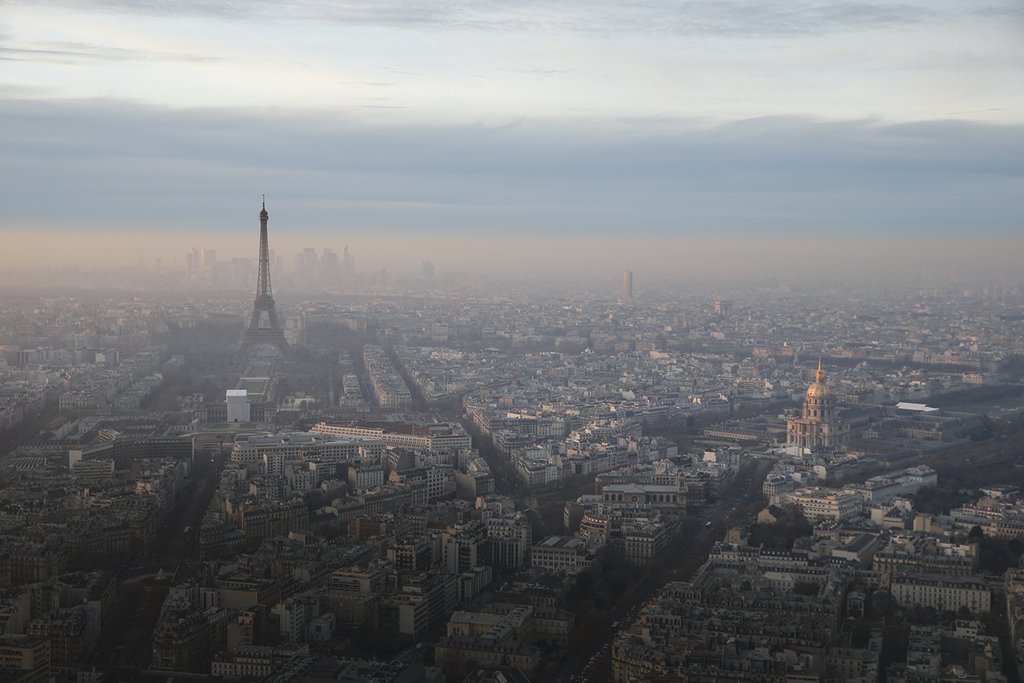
(817,427)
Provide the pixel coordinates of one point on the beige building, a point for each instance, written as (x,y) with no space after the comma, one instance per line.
(817,427)
(644,540)
(943,593)
(25,658)
(460,654)
(271,518)
(667,498)
(437,438)
(820,503)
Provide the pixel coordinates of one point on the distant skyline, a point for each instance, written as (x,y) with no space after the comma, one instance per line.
(392,123)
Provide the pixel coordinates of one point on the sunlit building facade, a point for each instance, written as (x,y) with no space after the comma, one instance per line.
(818,426)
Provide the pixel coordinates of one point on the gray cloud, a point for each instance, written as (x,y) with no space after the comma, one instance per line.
(695,17)
(745,17)
(19,90)
(69,53)
(1008,11)
(97,163)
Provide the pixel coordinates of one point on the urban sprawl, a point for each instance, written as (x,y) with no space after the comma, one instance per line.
(408,484)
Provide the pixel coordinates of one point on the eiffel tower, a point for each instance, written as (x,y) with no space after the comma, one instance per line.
(263,311)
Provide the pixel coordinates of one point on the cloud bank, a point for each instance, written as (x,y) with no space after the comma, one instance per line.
(89,163)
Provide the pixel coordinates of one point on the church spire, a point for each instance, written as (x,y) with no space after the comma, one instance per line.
(820,374)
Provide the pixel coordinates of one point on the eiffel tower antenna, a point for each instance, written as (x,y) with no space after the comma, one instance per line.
(271,333)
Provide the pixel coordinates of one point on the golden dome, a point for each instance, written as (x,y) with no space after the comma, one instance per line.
(818,389)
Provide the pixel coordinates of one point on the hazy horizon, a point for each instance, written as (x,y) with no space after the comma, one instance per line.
(734,257)
(548,137)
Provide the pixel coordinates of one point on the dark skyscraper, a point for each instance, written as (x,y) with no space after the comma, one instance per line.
(264,327)
(627,285)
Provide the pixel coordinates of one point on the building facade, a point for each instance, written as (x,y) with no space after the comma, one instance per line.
(818,426)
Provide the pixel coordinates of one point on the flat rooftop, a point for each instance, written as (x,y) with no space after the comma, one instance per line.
(570,542)
(915,407)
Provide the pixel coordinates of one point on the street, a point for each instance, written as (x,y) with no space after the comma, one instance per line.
(683,559)
(126,639)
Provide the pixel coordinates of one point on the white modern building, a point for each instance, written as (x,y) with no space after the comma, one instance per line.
(238,405)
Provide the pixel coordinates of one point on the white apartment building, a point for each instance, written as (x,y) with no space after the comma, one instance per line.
(943,593)
(820,503)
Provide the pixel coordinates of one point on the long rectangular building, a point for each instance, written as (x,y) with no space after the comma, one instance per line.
(821,503)
(440,438)
(324,448)
(943,593)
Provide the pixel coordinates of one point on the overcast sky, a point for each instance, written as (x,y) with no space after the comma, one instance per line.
(555,118)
